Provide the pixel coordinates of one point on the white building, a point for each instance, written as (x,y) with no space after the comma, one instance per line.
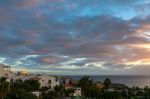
(37,93)
(77,92)
(5,71)
(47,81)
(64,80)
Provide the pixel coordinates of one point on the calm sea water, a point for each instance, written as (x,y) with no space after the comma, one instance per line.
(140,80)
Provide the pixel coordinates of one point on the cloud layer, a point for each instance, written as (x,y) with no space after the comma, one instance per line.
(76,37)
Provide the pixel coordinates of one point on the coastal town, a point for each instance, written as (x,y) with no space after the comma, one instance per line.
(47,82)
(74,49)
(24,85)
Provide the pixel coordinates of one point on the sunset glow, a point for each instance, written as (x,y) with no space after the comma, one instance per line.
(76,36)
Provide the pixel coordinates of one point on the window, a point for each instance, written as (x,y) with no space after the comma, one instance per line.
(56,79)
(50,87)
(49,81)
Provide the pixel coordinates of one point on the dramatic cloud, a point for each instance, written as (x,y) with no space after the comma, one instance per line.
(75,37)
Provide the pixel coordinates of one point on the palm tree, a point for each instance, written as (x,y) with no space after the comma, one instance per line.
(59,90)
(4,87)
(107,83)
(85,83)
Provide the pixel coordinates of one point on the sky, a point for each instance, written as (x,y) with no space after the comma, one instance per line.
(76,37)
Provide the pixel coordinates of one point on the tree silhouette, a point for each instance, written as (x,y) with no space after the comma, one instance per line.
(107,83)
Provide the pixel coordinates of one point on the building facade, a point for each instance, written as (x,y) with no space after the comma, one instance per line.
(48,81)
(5,71)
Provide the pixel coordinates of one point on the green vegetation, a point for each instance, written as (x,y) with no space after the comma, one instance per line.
(18,89)
(107,83)
(90,90)
(4,88)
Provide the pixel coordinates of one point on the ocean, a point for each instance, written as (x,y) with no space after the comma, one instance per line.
(129,80)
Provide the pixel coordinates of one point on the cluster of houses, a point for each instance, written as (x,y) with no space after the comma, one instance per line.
(44,80)
(52,81)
